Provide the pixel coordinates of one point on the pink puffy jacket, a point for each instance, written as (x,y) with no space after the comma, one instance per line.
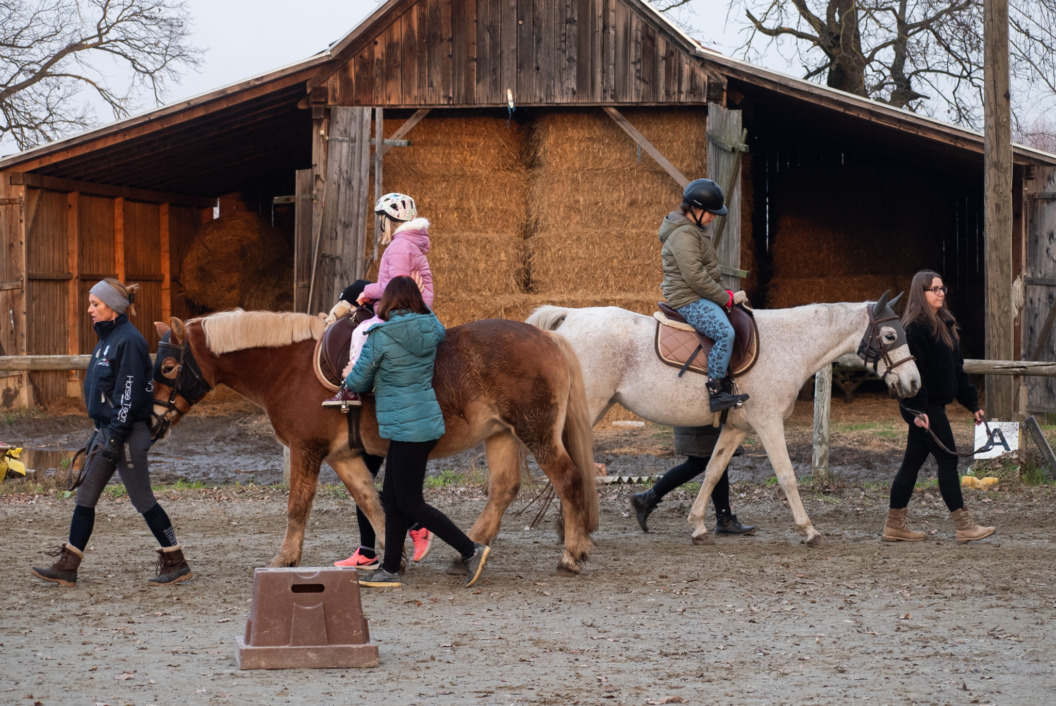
(404,255)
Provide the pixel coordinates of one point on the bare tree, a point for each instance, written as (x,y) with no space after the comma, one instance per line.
(53,50)
(921,55)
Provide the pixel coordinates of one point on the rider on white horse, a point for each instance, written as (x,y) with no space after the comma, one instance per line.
(692,282)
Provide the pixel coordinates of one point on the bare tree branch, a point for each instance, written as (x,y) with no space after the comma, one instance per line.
(51,51)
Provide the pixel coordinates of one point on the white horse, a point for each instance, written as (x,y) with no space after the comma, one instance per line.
(616,351)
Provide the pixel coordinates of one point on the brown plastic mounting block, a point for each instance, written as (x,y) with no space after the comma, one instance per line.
(306,618)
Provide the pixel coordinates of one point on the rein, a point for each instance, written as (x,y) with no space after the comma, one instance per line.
(992,435)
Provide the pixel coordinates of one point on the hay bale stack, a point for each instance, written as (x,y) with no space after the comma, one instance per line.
(596,204)
(815,256)
(238,260)
(468,176)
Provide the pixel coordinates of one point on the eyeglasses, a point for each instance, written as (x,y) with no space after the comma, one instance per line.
(936,290)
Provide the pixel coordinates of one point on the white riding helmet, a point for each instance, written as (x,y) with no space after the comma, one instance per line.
(399,207)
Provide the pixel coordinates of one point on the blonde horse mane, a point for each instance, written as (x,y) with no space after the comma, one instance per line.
(235,330)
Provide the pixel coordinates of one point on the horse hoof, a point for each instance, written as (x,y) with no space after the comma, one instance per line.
(282,563)
(814,541)
(564,569)
(703,539)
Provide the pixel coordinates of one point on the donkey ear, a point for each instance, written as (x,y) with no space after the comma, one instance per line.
(878,308)
(178,330)
(162,328)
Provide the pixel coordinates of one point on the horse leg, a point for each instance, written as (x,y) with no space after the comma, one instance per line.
(304,478)
(360,484)
(565,477)
(720,458)
(503,451)
(774,442)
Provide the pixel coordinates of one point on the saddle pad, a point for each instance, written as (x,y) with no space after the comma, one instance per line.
(677,340)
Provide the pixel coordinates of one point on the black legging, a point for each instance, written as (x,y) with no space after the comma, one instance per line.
(401,495)
(693,467)
(918,446)
(367,537)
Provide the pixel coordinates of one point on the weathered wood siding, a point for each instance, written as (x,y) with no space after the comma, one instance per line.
(469,52)
(1040,291)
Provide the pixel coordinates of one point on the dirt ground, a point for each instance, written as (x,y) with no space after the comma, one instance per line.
(653,619)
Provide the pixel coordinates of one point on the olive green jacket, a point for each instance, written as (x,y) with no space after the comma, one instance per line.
(691,267)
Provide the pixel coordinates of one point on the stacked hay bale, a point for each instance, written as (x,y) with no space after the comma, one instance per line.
(238,260)
(818,258)
(468,177)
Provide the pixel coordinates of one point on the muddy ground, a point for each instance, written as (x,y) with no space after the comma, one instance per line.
(652,619)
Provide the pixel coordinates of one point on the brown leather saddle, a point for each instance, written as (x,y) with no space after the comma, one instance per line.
(680,345)
(331,350)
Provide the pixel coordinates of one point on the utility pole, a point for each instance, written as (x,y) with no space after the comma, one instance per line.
(997,224)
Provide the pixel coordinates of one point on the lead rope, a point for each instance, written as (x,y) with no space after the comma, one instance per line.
(991,434)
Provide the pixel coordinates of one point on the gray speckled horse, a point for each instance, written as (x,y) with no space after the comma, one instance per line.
(616,351)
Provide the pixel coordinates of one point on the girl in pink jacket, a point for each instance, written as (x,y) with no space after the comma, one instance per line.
(406,238)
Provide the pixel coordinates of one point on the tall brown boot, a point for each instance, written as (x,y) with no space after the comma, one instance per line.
(896,530)
(64,570)
(967,530)
(172,567)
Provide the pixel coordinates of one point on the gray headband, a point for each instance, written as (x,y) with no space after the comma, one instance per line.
(110,296)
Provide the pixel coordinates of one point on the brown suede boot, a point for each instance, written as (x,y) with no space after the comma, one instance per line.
(967,530)
(172,567)
(63,571)
(895,530)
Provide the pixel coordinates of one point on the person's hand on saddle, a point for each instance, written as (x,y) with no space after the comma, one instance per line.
(340,309)
(728,306)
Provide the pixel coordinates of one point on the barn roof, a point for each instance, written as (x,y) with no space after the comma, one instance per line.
(213,144)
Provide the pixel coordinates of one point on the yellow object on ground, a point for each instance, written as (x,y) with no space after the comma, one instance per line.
(9,462)
(980,483)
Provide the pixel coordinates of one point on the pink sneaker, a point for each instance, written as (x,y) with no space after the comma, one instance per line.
(422,538)
(358,561)
(343,398)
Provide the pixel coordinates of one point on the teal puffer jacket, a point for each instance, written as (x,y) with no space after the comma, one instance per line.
(397,363)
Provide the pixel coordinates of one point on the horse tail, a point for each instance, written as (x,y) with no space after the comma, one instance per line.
(548,318)
(578,435)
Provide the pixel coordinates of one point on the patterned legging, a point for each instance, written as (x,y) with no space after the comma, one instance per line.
(708,317)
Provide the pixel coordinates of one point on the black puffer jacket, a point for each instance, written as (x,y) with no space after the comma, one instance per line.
(118,384)
(942,376)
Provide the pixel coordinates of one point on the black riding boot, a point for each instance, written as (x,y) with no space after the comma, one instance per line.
(721,394)
(726,523)
(643,504)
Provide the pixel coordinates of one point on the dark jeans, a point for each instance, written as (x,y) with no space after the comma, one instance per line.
(919,446)
(693,467)
(401,496)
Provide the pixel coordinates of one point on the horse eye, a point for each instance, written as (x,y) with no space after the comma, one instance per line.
(168,368)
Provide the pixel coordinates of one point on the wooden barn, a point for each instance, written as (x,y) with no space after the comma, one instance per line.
(544,140)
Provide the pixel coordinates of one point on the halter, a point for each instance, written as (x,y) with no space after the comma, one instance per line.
(872,350)
(164,421)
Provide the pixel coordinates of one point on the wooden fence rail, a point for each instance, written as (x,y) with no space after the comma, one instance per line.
(823,395)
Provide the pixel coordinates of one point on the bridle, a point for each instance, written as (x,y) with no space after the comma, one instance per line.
(184,360)
(873,350)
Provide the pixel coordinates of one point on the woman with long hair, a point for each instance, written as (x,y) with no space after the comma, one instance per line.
(397,363)
(932,334)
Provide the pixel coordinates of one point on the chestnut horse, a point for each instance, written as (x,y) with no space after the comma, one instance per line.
(505,383)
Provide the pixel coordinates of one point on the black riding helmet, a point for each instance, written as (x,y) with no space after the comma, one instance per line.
(706,194)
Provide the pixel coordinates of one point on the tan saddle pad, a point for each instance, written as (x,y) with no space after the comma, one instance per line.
(677,342)
(331,350)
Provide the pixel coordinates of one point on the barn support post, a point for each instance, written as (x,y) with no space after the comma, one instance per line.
(725,132)
(320,131)
(303,206)
(379,181)
(342,238)
(997,158)
(14,386)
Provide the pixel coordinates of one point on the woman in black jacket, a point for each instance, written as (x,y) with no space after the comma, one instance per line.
(931,331)
(117,394)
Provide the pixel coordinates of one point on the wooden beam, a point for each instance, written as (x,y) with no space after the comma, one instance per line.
(646,145)
(379,182)
(1043,445)
(997,220)
(405,128)
(41,181)
(73,317)
(119,238)
(164,215)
